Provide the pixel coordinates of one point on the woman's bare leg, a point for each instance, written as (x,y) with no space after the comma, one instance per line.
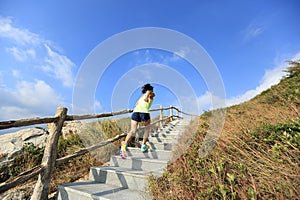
(132,131)
(147,130)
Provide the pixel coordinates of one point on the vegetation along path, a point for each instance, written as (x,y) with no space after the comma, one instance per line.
(128,178)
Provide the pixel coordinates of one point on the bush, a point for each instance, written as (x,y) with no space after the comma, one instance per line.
(29,157)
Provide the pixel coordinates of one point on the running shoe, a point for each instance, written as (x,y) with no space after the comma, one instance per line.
(144,148)
(123,150)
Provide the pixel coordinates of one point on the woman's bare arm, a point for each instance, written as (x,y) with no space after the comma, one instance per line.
(149,95)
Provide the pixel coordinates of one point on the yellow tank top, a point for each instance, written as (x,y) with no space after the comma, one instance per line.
(143,106)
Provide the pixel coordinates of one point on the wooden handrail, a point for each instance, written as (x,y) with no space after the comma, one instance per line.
(21,178)
(27,122)
(45,120)
(180,111)
(93,116)
(29,174)
(49,161)
(32,173)
(50,153)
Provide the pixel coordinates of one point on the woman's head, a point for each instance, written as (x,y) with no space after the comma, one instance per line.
(146,87)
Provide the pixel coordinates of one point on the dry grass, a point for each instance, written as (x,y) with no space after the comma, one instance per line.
(73,170)
(256,156)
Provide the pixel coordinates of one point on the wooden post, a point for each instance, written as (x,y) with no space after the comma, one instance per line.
(42,186)
(171,112)
(161,115)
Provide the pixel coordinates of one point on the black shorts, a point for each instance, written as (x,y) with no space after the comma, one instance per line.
(140,117)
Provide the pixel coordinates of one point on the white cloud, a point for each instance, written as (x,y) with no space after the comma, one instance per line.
(60,66)
(152,56)
(21,54)
(1,80)
(205,101)
(252,31)
(19,36)
(17,74)
(14,112)
(29,99)
(208,101)
(180,54)
(35,94)
(270,78)
(144,56)
(26,45)
(99,107)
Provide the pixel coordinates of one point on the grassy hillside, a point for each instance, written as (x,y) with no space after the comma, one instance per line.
(256,157)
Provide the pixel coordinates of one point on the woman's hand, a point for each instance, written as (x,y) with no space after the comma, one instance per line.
(149,95)
(152,94)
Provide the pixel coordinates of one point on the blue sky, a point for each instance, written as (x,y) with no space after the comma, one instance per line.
(44,44)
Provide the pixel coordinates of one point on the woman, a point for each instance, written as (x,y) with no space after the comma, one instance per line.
(140,114)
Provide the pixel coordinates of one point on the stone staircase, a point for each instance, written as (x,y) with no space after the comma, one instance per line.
(127,178)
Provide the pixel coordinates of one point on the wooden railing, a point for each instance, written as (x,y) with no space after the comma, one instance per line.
(49,161)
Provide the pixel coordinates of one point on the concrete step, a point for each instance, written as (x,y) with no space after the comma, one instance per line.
(165,137)
(177,130)
(162,139)
(175,125)
(122,177)
(167,133)
(145,164)
(161,145)
(128,178)
(152,153)
(90,190)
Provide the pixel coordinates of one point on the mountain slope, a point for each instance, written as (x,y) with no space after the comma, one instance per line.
(256,157)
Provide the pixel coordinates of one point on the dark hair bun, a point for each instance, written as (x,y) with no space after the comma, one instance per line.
(146,87)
